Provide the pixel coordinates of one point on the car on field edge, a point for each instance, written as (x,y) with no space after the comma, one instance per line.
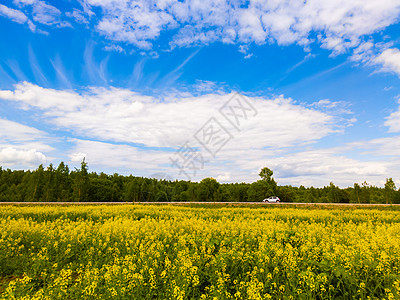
(272,199)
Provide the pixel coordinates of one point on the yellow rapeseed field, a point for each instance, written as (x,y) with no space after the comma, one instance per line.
(199,252)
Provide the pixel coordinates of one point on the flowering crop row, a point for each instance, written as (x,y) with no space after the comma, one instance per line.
(170,252)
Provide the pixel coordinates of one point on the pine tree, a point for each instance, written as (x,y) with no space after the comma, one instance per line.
(81,183)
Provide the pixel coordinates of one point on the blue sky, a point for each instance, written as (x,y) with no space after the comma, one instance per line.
(132,86)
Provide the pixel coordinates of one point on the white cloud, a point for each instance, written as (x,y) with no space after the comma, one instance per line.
(77,156)
(309,167)
(30,95)
(13,14)
(11,156)
(390,60)
(147,130)
(340,24)
(282,136)
(124,116)
(319,167)
(226,177)
(116,48)
(379,55)
(136,23)
(44,13)
(78,15)
(393,121)
(388,146)
(16,16)
(206,86)
(21,145)
(13,132)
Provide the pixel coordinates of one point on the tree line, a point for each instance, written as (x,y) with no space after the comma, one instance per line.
(63,185)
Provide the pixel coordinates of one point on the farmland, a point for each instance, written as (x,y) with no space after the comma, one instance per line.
(199,252)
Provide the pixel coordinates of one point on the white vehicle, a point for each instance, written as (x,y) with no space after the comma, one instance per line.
(273,199)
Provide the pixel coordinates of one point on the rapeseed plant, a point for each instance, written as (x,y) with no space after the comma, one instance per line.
(169,252)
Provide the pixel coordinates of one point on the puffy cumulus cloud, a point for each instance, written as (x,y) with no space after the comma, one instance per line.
(380,55)
(22,146)
(339,24)
(121,115)
(390,60)
(10,156)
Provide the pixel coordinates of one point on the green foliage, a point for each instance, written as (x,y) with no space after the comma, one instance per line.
(266,174)
(390,189)
(62,185)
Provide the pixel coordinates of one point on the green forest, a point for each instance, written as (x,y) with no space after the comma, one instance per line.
(63,185)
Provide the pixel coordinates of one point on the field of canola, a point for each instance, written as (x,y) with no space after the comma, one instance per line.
(199,252)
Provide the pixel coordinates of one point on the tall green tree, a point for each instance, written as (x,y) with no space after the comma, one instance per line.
(208,190)
(36,186)
(357,193)
(333,193)
(63,182)
(50,187)
(81,183)
(390,190)
(266,174)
